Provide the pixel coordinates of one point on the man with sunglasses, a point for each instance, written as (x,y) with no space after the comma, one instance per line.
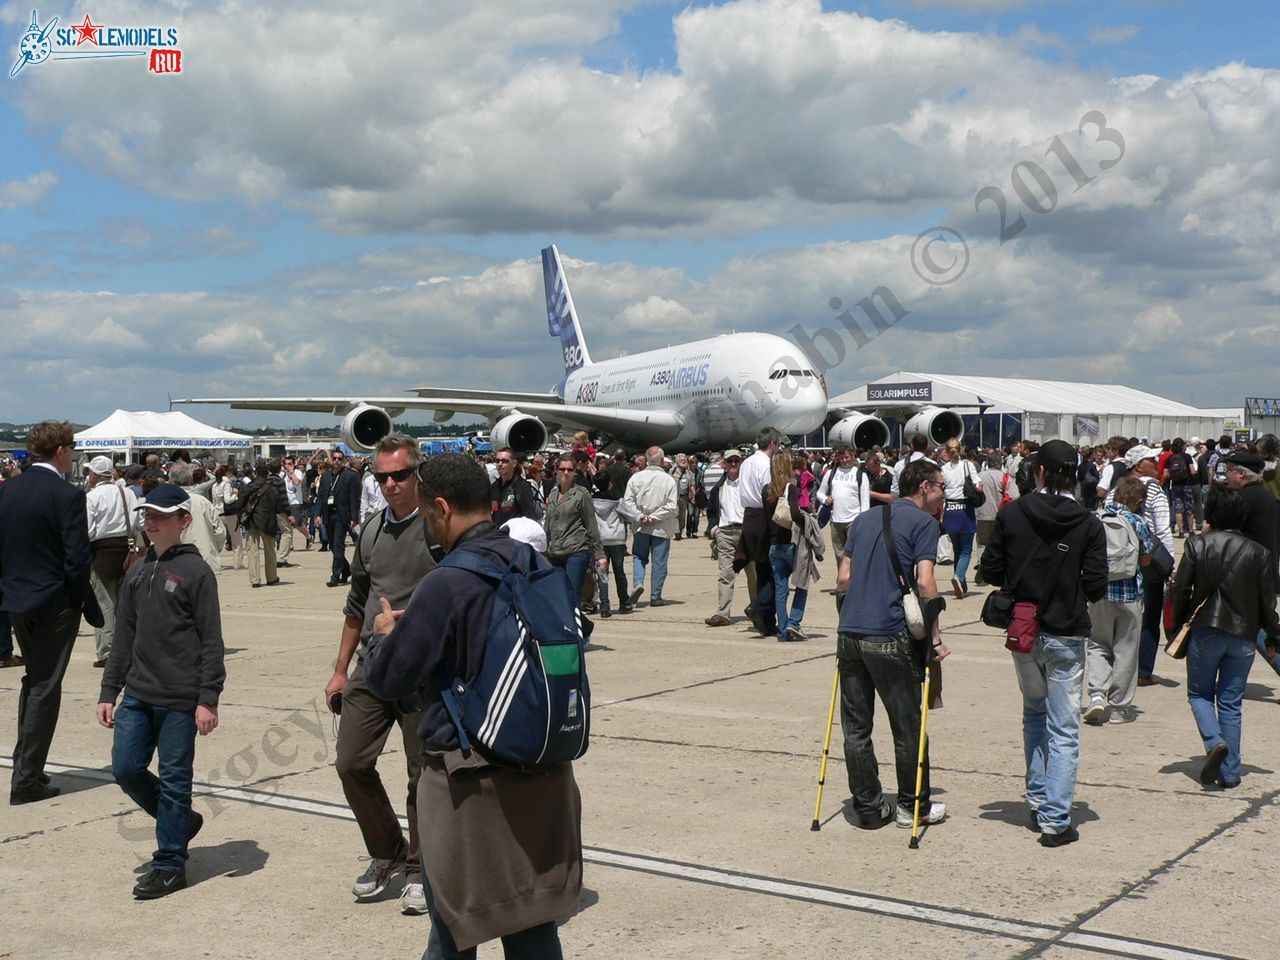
(340,512)
(511,493)
(393,552)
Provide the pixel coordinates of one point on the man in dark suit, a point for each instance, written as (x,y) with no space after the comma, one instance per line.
(44,578)
(340,512)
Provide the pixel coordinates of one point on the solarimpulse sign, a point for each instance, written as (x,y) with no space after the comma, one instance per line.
(914,392)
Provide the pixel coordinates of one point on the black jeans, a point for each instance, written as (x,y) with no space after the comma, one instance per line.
(1152,611)
(616,553)
(763,606)
(341,569)
(892,667)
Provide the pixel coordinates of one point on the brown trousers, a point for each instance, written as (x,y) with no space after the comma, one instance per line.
(362,733)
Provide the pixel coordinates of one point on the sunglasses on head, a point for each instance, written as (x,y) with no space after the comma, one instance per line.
(399,476)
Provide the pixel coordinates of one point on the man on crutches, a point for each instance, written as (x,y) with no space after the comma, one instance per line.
(876,653)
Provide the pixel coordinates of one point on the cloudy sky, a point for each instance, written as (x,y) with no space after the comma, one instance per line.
(337,198)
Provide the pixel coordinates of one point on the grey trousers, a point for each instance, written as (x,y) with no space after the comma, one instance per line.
(1111,655)
(107,594)
(726,543)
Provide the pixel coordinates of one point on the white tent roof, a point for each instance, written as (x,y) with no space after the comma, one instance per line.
(126,429)
(1040,396)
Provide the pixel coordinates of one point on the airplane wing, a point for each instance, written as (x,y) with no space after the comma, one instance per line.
(661,425)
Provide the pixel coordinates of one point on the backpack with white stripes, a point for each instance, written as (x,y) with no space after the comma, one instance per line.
(529,703)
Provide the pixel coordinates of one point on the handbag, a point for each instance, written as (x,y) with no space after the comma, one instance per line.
(1020,619)
(1177,645)
(134,553)
(974,495)
(1161,562)
(910,600)
(782,509)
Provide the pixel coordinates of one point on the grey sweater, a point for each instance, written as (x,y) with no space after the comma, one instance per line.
(168,644)
(390,559)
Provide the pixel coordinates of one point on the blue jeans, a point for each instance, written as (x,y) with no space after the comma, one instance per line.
(782,558)
(1218,665)
(536,943)
(1049,677)
(141,729)
(576,566)
(962,545)
(646,545)
(1152,610)
(892,667)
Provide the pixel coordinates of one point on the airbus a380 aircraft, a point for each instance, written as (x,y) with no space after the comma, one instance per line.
(707,394)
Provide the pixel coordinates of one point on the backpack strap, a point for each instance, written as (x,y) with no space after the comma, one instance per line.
(468,560)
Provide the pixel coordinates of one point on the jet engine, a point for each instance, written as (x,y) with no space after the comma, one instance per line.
(519,431)
(861,431)
(364,426)
(936,424)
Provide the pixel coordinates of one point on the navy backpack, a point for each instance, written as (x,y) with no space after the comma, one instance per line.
(529,703)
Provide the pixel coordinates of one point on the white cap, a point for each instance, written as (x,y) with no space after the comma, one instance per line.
(527,531)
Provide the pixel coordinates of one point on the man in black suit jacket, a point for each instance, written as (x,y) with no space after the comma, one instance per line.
(44,578)
(340,512)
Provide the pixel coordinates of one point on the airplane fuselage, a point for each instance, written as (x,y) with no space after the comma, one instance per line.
(726,388)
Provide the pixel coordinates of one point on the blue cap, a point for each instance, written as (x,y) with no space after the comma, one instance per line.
(167,498)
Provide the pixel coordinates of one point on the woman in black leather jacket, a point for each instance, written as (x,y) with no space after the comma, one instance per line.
(1225,585)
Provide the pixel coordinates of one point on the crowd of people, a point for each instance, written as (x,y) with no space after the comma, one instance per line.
(1079,540)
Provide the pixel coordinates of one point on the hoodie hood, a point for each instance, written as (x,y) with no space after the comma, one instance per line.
(1053,516)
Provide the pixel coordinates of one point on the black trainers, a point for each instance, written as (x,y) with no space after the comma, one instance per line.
(1213,763)
(871,821)
(160,883)
(1069,835)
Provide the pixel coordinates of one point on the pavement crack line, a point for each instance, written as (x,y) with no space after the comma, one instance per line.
(1073,929)
(714,680)
(1040,936)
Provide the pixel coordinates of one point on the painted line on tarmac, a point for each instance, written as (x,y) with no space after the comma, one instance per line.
(1041,935)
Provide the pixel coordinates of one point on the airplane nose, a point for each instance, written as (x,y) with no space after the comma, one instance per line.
(809,409)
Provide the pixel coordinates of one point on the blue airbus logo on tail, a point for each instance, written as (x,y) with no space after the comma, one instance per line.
(562,318)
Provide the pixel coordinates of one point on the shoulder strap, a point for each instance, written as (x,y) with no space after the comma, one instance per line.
(128,523)
(904,584)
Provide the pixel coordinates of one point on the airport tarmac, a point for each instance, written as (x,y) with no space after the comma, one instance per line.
(698,793)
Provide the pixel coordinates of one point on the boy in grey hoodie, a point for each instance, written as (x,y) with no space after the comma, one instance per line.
(168,660)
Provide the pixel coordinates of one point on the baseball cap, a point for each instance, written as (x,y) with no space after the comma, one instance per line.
(732,453)
(1139,453)
(1057,455)
(101,465)
(527,531)
(1194,441)
(167,498)
(1246,459)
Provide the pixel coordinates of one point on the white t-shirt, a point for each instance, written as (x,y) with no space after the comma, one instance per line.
(848,497)
(754,475)
(731,502)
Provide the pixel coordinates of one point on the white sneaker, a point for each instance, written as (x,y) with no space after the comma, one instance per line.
(1093,713)
(374,880)
(936,813)
(413,901)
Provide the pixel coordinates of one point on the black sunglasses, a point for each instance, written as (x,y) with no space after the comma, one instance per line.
(399,476)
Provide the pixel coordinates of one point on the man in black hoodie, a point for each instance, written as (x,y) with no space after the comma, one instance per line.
(1048,550)
(168,659)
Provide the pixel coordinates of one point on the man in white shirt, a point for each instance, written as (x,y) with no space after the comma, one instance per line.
(371,499)
(727,495)
(847,491)
(918,444)
(295,488)
(111,520)
(1115,468)
(652,494)
(753,546)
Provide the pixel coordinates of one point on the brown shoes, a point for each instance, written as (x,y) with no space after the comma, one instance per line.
(11,662)
(717,621)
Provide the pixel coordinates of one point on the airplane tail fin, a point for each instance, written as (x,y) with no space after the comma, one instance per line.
(562,318)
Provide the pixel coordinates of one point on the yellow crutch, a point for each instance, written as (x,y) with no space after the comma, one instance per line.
(924,740)
(826,751)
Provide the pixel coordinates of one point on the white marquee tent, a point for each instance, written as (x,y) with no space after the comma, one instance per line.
(1003,408)
(128,430)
